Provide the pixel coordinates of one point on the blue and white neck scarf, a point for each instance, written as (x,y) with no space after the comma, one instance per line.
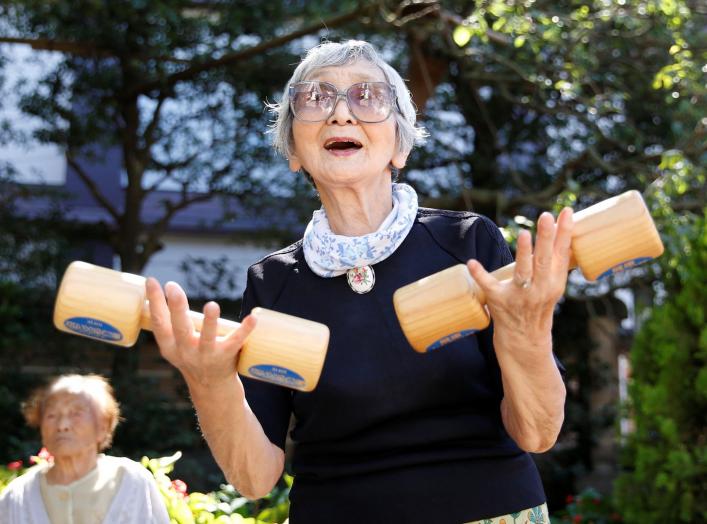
(330,255)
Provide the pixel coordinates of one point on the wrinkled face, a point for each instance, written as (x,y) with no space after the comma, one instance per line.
(70,425)
(341,150)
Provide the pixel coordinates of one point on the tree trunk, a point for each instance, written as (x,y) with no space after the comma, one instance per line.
(130,241)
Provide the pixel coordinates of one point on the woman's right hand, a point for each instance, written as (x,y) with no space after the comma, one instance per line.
(208,363)
(204,359)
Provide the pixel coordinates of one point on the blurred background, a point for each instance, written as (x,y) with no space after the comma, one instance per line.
(133,135)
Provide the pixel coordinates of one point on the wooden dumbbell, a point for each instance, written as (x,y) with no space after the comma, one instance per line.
(609,237)
(108,305)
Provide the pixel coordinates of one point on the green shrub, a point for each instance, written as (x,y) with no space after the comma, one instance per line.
(665,459)
(10,472)
(223,506)
(589,507)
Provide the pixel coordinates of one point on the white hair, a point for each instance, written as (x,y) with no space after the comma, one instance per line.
(329,54)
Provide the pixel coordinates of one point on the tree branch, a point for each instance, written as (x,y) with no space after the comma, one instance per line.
(150,130)
(692,205)
(43,44)
(155,230)
(542,199)
(168,168)
(176,164)
(80,48)
(454,20)
(409,11)
(93,188)
(239,56)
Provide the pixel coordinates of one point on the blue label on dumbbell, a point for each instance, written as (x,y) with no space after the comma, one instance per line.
(94,328)
(450,338)
(623,266)
(277,375)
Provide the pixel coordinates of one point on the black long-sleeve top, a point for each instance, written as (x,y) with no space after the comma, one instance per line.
(391,435)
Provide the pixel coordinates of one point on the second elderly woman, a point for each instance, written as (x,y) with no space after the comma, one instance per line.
(388,435)
(77,416)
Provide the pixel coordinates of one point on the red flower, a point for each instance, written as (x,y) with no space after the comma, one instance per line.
(577,518)
(569,499)
(180,487)
(43,454)
(616,517)
(596,501)
(14,466)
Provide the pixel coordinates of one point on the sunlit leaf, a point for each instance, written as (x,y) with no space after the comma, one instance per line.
(461,35)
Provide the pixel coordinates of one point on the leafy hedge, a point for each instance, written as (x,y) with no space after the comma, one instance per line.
(588,507)
(665,459)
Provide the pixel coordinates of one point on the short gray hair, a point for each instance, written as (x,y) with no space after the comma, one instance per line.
(329,54)
(94,387)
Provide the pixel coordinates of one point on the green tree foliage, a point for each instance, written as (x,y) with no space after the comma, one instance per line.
(176,86)
(666,456)
(530,104)
(31,254)
(569,101)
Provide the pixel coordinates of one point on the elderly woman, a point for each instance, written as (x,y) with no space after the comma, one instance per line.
(77,416)
(388,435)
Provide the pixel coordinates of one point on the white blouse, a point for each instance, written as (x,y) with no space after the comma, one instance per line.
(86,500)
(117,490)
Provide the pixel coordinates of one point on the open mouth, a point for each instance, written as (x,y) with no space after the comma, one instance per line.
(342,144)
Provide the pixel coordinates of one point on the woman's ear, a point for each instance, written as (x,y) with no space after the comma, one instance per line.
(101,430)
(295,164)
(399,159)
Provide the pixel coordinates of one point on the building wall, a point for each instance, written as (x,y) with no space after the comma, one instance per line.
(237,256)
(34,162)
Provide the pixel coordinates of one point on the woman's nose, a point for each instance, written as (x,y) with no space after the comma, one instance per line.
(341,114)
(63,422)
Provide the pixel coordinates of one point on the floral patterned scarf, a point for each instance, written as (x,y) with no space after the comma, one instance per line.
(330,255)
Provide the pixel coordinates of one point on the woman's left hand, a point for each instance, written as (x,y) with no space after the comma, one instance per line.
(522,307)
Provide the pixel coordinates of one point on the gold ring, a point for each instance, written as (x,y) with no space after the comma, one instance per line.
(523,283)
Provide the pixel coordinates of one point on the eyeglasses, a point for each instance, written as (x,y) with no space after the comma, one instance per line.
(368,102)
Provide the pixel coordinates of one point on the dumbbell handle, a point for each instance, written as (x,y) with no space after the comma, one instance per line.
(506,273)
(223,325)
